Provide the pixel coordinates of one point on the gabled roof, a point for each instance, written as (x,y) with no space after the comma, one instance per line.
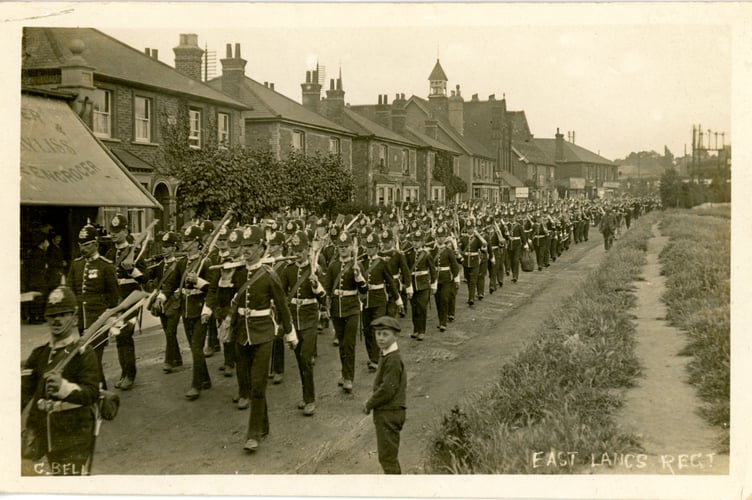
(438,73)
(426,140)
(268,104)
(466,143)
(510,179)
(49,48)
(365,127)
(572,152)
(528,152)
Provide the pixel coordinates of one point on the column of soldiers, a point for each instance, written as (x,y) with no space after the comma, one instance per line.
(262,288)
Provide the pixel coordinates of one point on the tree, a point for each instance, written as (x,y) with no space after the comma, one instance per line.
(317,183)
(252,182)
(670,188)
(443,171)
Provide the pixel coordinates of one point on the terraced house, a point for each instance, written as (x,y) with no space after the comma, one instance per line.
(127,97)
(276,122)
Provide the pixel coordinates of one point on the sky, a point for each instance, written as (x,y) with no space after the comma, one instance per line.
(622,78)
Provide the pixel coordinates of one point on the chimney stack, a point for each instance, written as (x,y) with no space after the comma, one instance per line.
(559,151)
(188,56)
(335,100)
(383,112)
(456,111)
(399,113)
(233,71)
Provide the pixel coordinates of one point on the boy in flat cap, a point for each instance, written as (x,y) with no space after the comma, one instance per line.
(388,400)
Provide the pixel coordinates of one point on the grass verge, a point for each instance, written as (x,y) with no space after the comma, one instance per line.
(696,263)
(551,407)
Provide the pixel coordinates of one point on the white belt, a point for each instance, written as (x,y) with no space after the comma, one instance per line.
(254,313)
(191,291)
(442,268)
(420,273)
(303,302)
(345,293)
(126,281)
(515,237)
(396,277)
(471,254)
(494,247)
(380,286)
(539,236)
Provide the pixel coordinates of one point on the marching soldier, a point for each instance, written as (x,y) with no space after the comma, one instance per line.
(274,259)
(130,275)
(94,282)
(471,245)
(191,281)
(540,241)
(518,241)
(343,281)
(300,281)
(381,286)
(212,342)
(168,310)
(252,327)
(61,422)
(397,265)
(424,283)
(448,272)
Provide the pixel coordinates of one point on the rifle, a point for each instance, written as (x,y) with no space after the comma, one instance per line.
(142,240)
(198,264)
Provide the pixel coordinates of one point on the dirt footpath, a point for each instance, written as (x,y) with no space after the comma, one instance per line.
(662,409)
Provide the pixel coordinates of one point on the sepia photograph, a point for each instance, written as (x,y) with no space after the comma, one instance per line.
(287,249)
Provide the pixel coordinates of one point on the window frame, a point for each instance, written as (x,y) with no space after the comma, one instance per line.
(383,157)
(223,129)
(194,140)
(108,114)
(337,145)
(302,139)
(139,120)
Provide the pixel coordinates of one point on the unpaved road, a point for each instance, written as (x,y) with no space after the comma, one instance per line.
(158,431)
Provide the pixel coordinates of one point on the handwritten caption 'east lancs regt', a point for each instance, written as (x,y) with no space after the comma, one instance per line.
(672,463)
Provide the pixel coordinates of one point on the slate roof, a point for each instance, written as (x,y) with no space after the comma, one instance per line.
(365,127)
(510,179)
(572,152)
(531,153)
(268,104)
(438,73)
(467,143)
(426,140)
(48,48)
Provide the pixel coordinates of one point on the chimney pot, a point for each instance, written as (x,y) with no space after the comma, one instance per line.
(155,53)
(237,51)
(403,96)
(331,84)
(492,97)
(308,77)
(147,51)
(266,84)
(271,85)
(453,93)
(379,99)
(339,84)
(386,99)
(396,97)
(229,51)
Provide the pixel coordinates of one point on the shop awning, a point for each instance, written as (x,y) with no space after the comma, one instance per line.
(62,163)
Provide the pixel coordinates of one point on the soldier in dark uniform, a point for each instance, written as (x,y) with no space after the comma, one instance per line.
(274,259)
(381,287)
(518,242)
(130,275)
(61,424)
(540,241)
(252,327)
(94,281)
(423,271)
(343,281)
(191,281)
(471,245)
(305,293)
(448,272)
(212,341)
(168,310)
(397,265)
